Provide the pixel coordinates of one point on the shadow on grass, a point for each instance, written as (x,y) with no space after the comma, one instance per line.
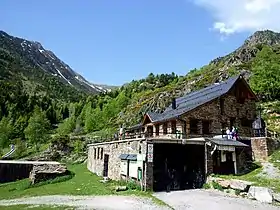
(249,169)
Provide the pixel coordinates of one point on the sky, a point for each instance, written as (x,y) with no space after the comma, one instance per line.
(115,41)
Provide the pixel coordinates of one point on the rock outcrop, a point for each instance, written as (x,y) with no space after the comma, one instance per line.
(234,184)
(42,172)
(261,194)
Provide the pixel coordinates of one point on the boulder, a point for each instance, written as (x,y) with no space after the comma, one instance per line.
(276,197)
(46,171)
(223,182)
(261,194)
(240,185)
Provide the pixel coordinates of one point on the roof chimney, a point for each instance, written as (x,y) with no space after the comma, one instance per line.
(174,103)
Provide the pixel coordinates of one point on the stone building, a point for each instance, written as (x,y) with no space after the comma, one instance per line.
(179,147)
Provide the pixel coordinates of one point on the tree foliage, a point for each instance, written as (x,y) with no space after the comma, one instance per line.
(38,125)
(266,74)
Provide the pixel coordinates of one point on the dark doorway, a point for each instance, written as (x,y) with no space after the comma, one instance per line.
(178,167)
(224,167)
(106,162)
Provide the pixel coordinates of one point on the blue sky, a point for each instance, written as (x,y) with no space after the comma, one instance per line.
(115,41)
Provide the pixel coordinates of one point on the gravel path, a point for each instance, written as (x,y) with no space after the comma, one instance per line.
(179,200)
(88,202)
(270,171)
(210,200)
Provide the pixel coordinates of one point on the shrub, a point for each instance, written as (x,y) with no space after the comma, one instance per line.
(206,186)
(217,186)
(132,185)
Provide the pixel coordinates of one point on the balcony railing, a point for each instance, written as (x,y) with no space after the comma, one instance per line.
(177,135)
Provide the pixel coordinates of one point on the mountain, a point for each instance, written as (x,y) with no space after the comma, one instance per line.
(258,60)
(34,55)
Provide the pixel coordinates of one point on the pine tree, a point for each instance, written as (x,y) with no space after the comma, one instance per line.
(37,130)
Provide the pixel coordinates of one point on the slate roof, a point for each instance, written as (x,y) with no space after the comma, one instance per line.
(227,142)
(137,126)
(194,99)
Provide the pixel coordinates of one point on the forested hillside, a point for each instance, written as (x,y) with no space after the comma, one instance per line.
(32,113)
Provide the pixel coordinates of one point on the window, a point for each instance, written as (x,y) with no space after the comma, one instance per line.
(173,126)
(232,122)
(98,149)
(206,127)
(246,123)
(101,154)
(157,130)
(94,153)
(165,128)
(194,126)
(222,105)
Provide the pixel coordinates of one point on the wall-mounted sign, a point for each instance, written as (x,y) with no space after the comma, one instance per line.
(226,148)
(150,153)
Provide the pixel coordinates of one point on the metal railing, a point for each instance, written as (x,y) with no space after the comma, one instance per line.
(171,135)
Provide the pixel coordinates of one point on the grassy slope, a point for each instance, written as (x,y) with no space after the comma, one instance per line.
(83,183)
(260,181)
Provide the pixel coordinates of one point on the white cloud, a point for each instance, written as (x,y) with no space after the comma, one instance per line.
(233,16)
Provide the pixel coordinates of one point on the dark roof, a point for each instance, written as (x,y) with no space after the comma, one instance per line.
(227,142)
(194,99)
(128,157)
(138,126)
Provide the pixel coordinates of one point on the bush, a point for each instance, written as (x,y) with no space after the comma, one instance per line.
(217,186)
(20,148)
(78,146)
(132,185)
(206,186)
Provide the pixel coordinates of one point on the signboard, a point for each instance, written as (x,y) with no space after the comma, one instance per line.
(150,153)
(226,148)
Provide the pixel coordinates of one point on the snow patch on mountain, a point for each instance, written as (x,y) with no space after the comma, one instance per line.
(63,77)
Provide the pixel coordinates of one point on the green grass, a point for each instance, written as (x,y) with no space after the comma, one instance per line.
(275,159)
(257,180)
(83,183)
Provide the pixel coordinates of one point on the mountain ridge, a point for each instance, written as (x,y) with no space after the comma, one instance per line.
(34,54)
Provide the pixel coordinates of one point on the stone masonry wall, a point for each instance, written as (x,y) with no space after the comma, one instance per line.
(209,161)
(212,112)
(262,147)
(114,150)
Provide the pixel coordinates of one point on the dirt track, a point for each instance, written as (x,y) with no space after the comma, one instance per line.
(210,200)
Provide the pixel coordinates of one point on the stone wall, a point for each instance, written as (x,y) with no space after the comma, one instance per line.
(114,149)
(262,147)
(232,110)
(209,161)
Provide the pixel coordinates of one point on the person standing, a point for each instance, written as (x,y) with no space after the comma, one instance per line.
(228,133)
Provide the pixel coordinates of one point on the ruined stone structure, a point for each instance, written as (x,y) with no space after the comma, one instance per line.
(178,148)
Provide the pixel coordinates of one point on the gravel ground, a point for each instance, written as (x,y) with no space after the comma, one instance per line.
(270,171)
(210,200)
(179,200)
(88,202)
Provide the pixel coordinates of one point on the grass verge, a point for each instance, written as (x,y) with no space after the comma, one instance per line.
(82,183)
(257,180)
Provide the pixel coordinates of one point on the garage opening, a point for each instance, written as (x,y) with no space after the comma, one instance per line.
(178,167)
